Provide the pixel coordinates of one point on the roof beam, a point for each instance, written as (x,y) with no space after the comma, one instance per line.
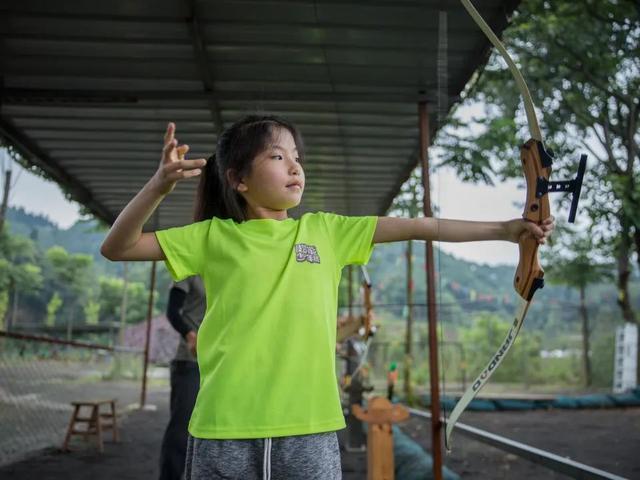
(206,73)
(31,152)
(24,96)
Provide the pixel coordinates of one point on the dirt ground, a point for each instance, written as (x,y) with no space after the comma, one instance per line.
(134,458)
(605,439)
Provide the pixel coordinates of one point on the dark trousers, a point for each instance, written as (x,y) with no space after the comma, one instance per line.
(185,382)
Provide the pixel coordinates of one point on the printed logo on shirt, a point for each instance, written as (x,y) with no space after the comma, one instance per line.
(306,253)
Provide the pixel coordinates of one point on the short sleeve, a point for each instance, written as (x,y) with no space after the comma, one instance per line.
(351,237)
(185,248)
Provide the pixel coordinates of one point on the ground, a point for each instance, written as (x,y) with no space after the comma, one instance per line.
(606,439)
(134,458)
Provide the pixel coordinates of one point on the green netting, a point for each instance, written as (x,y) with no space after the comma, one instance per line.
(516,404)
(631,399)
(447,404)
(601,400)
(595,401)
(412,462)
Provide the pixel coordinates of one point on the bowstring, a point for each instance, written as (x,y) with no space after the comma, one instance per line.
(443,105)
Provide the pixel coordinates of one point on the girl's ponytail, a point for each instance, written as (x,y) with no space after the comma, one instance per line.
(209,191)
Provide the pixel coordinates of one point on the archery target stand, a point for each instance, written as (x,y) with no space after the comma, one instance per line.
(381,414)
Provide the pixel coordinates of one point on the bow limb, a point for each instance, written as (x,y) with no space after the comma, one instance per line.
(532,119)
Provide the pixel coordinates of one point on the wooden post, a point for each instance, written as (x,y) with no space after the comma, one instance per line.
(380,415)
(436,424)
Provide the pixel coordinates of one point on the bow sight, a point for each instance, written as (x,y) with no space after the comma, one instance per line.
(544,186)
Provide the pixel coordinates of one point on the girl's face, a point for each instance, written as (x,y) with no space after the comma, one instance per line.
(276,181)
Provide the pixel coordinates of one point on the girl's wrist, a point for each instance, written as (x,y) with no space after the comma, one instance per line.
(511,229)
(156,187)
(505,231)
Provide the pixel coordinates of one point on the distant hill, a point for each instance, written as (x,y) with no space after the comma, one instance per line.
(84,236)
(81,237)
(463,287)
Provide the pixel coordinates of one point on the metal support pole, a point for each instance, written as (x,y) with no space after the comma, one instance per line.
(436,424)
(143,395)
(408,341)
(350,292)
(5,197)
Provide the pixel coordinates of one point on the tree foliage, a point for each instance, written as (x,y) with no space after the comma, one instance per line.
(580,60)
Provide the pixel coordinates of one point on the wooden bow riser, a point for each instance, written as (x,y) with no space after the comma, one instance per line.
(529,274)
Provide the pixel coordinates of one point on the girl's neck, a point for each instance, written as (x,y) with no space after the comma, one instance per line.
(261,213)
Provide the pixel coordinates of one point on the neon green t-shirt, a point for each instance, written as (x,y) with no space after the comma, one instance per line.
(266,347)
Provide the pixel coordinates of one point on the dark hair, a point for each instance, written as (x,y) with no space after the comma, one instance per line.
(237,147)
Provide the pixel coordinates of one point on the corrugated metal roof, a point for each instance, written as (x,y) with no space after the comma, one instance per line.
(88,88)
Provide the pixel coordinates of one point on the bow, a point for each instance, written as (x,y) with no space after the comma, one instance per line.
(367,318)
(536,165)
(366,329)
(362,324)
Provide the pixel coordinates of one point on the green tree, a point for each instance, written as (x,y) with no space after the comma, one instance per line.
(522,363)
(110,298)
(92,312)
(52,309)
(71,274)
(571,263)
(4,303)
(580,60)
(19,271)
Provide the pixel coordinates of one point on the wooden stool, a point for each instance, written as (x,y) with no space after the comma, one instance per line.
(96,423)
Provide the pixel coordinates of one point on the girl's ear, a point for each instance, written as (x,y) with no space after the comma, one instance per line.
(235,182)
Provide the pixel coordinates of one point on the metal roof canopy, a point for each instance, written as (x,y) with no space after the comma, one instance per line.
(88,88)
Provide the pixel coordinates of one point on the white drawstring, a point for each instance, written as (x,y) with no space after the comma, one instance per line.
(266,466)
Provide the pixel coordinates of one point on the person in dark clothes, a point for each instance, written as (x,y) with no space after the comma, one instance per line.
(185,312)
(357,386)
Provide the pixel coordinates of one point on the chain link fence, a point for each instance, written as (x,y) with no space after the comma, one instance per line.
(39,377)
(540,363)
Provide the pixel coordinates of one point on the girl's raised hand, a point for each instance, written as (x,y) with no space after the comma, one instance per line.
(173,166)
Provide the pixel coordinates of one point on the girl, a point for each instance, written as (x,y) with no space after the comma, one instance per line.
(268,405)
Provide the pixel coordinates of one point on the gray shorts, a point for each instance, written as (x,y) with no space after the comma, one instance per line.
(307,457)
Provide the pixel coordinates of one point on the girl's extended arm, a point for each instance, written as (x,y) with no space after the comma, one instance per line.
(391,229)
(125,240)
